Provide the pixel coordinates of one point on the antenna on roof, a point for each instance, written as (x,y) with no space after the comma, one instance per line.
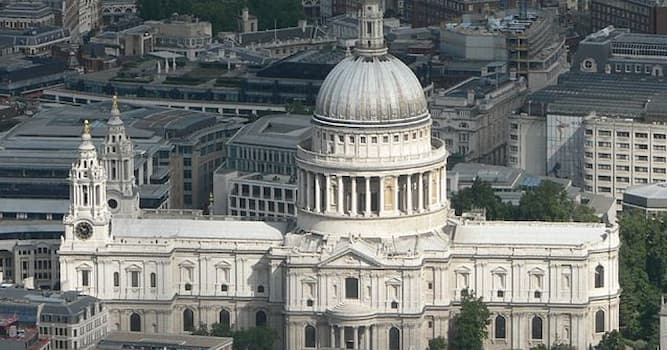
(275,30)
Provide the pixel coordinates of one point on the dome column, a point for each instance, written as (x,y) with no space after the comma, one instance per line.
(420,194)
(309,204)
(409,205)
(353,196)
(327,193)
(381,195)
(367,188)
(318,200)
(341,204)
(429,189)
(396,186)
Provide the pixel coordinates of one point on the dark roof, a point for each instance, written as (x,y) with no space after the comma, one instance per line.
(281,34)
(582,93)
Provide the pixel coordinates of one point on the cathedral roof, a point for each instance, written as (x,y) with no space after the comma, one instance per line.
(166,227)
(523,233)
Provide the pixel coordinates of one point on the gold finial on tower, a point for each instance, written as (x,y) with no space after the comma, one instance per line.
(86,127)
(114,102)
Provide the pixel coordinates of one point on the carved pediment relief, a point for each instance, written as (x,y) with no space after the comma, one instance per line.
(351,258)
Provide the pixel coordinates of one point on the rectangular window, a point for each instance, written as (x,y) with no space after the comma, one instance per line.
(85,278)
(135,279)
(351,288)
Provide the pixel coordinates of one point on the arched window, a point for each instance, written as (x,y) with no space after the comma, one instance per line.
(135,323)
(394,305)
(351,288)
(599,276)
(500,330)
(394,339)
(309,334)
(153,280)
(260,289)
(188,320)
(116,279)
(260,319)
(536,328)
(599,321)
(225,319)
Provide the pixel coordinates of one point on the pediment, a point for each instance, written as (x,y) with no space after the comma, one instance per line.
(187,263)
(350,258)
(309,280)
(133,267)
(393,281)
(463,270)
(84,266)
(499,271)
(222,264)
(536,271)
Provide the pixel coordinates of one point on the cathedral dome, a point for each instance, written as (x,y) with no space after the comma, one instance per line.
(371,89)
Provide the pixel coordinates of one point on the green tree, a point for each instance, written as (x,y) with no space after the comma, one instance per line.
(546,202)
(480,196)
(468,328)
(219,330)
(611,341)
(584,213)
(257,338)
(641,275)
(202,330)
(437,343)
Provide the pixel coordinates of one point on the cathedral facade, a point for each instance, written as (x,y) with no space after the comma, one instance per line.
(375,260)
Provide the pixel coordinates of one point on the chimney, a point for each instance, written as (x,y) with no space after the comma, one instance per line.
(244,14)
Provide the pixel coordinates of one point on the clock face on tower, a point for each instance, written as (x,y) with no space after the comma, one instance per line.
(83,230)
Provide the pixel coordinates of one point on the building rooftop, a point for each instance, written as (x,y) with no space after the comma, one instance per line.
(281,34)
(496,175)
(168,227)
(36,205)
(29,304)
(650,196)
(277,130)
(582,93)
(134,340)
(527,233)
(25,9)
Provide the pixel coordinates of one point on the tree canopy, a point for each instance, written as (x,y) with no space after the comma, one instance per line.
(642,274)
(611,341)
(256,338)
(223,14)
(468,328)
(546,202)
(437,343)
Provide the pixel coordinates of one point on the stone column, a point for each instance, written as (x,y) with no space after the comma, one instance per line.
(367,188)
(408,195)
(395,194)
(420,195)
(341,337)
(166,65)
(327,194)
(308,197)
(333,336)
(356,337)
(159,67)
(443,186)
(429,189)
(318,193)
(381,195)
(341,197)
(173,62)
(367,338)
(353,195)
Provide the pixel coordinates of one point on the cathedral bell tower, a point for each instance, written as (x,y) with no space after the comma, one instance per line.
(118,159)
(88,219)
